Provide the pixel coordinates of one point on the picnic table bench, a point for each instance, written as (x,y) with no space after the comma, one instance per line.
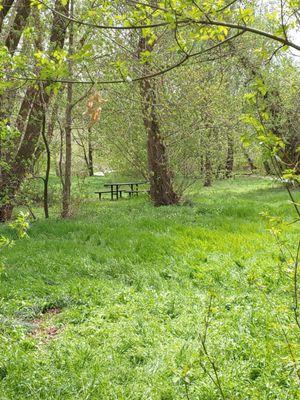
(116,190)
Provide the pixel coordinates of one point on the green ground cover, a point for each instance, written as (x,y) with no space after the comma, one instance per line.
(111,304)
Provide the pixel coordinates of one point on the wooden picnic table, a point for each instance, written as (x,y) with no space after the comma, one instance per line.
(115,188)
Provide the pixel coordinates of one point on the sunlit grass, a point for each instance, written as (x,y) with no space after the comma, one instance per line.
(132,283)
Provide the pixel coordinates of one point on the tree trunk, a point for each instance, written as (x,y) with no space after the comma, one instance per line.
(52,120)
(6,212)
(207,162)
(207,169)
(12,41)
(90,156)
(66,210)
(6,6)
(19,23)
(230,156)
(47,174)
(291,156)
(31,112)
(161,187)
(66,204)
(273,104)
(267,168)
(250,160)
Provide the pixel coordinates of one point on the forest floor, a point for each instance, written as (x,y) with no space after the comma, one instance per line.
(112,303)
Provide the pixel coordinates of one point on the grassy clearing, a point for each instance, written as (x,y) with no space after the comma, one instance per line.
(109,305)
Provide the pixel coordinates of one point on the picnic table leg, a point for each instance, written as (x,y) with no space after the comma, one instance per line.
(117,192)
(137,189)
(112,192)
(131,186)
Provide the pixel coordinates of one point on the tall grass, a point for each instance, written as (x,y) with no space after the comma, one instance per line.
(129,285)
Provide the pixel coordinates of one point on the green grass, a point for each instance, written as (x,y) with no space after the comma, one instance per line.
(132,284)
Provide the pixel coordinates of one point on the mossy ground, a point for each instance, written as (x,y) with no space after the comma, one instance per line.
(110,304)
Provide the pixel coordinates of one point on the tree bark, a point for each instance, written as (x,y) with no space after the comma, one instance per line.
(59,25)
(207,142)
(207,169)
(6,6)
(30,118)
(161,187)
(66,204)
(273,104)
(48,165)
(19,23)
(6,212)
(90,157)
(50,128)
(230,156)
(11,42)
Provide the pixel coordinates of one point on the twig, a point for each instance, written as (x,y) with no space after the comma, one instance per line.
(296,297)
(289,348)
(215,379)
(187,390)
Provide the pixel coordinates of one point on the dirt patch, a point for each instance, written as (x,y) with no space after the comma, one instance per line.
(45,330)
(52,311)
(45,333)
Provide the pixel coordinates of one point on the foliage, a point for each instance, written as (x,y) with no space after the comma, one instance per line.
(8,136)
(20,225)
(5,242)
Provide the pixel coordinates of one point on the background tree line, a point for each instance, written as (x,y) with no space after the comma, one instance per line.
(192,91)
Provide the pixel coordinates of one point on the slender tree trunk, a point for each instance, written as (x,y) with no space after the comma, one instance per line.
(272,103)
(50,128)
(202,165)
(31,112)
(267,168)
(66,211)
(207,169)
(47,174)
(230,156)
(90,156)
(161,187)
(207,119)
(250,160)
(292,154)
(60,165)
(66,206)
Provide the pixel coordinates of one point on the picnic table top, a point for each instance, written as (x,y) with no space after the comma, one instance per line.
(125,183)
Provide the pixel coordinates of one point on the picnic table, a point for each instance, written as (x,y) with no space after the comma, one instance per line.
(116,189)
